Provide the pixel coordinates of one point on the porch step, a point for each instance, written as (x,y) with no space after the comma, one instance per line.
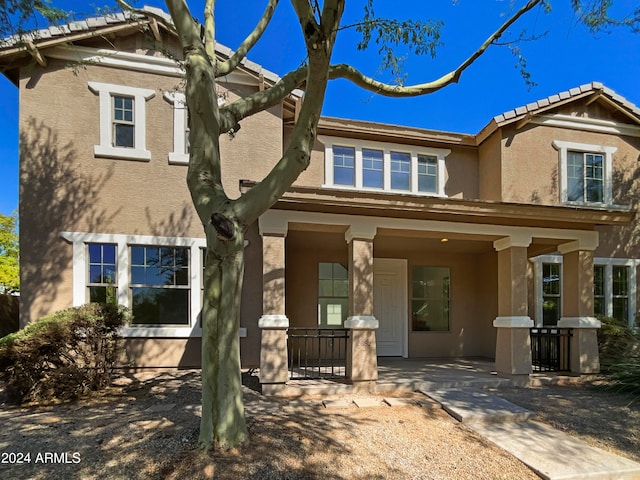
(473,405)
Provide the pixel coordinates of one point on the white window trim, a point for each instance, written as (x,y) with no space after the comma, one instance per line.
(608,283)
(386,148)
(564,147)
(179,156)
(140,96)
(79,241)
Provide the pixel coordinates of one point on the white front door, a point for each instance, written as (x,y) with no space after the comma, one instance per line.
(390,306)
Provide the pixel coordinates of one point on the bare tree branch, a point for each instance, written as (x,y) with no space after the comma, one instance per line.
(228,66)
(210,31)
(350,73)
(258,101)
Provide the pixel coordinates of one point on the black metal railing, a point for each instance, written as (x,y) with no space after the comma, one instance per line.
(316,353)
(551,349)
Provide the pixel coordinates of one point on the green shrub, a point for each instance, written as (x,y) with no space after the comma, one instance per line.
(619,348)
(63,355)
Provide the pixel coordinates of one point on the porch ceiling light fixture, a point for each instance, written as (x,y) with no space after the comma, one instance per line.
(444,240)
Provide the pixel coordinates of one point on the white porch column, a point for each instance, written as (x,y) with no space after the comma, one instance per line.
(577,305)
(274,322)
(362,360)
(513,343)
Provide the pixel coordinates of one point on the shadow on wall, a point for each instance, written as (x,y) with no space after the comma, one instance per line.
(9,314)
(54,195)
(625,240)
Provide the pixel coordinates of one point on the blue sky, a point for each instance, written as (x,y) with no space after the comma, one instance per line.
(567,56)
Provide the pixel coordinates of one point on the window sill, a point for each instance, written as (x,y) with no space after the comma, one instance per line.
(382,190)
(167,332)
(122,153)
(178,158)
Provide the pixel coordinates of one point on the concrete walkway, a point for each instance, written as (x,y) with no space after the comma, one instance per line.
(550,453)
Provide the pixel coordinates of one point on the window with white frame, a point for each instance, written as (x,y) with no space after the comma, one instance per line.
(102,274)
(585,172)
(157,278)
(180,154)
(551,293)
(333,294)
(160,285)
(122,121)
(620,292)
(379,166)
(614,288)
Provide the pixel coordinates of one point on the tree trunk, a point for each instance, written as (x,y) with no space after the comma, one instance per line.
(223,422)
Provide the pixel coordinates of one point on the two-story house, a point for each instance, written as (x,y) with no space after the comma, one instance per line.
(422,243)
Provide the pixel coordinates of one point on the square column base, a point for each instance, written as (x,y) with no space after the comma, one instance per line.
(362,359)
(274,366)
(513,345)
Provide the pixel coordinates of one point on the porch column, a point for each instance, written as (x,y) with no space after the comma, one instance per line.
(362,361)
(274,323)
(577,305)
(513,343)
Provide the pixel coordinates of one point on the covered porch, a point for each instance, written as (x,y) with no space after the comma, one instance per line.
(385,268)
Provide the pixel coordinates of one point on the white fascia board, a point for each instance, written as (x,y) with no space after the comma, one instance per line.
(362,222)
(587,124)
(136,62)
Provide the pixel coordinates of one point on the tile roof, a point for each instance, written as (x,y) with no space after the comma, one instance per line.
(54,32)
(549,102)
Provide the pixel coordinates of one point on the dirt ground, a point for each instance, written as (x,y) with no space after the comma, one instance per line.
(148,428)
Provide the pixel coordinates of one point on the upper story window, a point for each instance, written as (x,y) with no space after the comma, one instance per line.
(123,124)
(122,121)
(180,154)
(379,166)
(585,173)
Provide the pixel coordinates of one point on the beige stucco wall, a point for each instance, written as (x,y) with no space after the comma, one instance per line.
(489,165)
(64,187)
(530,162)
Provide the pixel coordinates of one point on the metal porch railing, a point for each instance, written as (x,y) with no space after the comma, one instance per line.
(551,349)
(316,353)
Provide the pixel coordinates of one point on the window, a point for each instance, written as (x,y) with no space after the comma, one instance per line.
(180,154)
(620,292)
(372,168)
(585,182)
(160,285)
(430,299)
(427,173)
(551,293)
(400,171)
(102,280)
(377,166)
(122,121)
(585,172)
(123,124)
(599,304)
(333,294)
(344,165)
(614,288)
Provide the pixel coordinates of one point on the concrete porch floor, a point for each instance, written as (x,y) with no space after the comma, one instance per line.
(413,374)
(395,373)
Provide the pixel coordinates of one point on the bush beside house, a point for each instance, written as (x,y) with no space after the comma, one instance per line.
(63,355)
(619,347)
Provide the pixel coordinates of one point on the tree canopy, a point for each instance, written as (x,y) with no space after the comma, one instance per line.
(9,253)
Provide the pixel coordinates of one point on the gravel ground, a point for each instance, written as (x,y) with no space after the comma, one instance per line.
(148,429)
